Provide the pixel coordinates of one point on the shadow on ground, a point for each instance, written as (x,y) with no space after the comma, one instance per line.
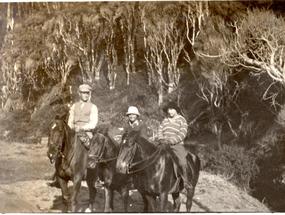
(135,202)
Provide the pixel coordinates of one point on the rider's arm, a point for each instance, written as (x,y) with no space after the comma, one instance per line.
(93,119)
(71,117)
(181,132)
(160,131)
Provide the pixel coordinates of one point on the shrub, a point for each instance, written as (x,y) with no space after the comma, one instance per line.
(234,162)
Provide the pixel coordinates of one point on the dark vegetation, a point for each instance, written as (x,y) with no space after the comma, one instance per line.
(235,109)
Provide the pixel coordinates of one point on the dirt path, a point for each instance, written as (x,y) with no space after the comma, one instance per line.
(24,169)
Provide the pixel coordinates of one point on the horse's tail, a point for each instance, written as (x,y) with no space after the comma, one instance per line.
(194,165)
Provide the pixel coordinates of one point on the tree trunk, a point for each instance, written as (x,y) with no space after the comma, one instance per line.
(112,75)
(160,91)
(47,6)
(149,78)
(128,76)
(127,59)
(132,50)
(10,18)
(19,7)
(170,87)
(98,67)
(112,60)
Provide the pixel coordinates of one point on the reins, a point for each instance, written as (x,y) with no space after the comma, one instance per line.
(145,163)
(107,160)
(67,141)
(99,158)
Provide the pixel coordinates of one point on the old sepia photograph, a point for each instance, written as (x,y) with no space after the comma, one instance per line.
(142,106)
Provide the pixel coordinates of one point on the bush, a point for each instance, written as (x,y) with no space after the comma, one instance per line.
(234,162)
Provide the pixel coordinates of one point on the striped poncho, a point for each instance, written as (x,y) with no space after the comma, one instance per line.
(173,130)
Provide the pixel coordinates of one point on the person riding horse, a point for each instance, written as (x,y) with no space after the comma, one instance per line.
(134,122)
(83,117)
(172,131)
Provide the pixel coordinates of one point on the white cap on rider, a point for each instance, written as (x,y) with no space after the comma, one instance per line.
(85,88)
(133,110)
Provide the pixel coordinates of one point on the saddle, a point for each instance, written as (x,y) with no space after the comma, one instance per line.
(92,157)
(87,143)
(84,139)
(178,169)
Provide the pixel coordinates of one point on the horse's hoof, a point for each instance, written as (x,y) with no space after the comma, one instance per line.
(88,210)
(54,184)
(91,209)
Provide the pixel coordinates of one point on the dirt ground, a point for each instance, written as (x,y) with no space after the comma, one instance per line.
(25,169)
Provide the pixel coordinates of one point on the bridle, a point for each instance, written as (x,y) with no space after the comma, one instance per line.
(61,145)
(142,164)
(99,158)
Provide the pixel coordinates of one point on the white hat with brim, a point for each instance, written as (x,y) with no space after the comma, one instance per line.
(133,110)
(85,88)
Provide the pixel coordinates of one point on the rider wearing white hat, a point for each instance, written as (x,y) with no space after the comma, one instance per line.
(134,122)
(133,110)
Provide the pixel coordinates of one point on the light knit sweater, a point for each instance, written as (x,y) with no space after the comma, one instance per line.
(173,129)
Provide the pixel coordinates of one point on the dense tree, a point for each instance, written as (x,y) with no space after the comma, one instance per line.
(110,15)
(129,23)
(257,45)
(81,35)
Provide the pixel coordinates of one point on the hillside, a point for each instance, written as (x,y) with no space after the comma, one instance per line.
(24,189)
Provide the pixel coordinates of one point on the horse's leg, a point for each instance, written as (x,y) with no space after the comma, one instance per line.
(91,180)
(145,203)
(65,193)
(125,197)
(176,202)
(76,188)
(163,201)
(189,195)
(108,199)
(150,203)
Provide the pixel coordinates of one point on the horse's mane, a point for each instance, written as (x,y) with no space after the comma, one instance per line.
(143,142)
(104,130)
(105,134)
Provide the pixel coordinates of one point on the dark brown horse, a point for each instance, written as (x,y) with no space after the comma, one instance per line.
(103,156)
(155,173)
(74,161)
(70,159)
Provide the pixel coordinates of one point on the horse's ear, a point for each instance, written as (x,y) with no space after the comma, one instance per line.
(57,117)
(106,139)
(102,129)
(135,134)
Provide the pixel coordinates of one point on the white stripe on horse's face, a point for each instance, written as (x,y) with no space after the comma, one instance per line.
(53,126)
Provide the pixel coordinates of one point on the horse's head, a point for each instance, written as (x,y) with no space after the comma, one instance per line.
(130,151)
(57,133)
(99,144)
